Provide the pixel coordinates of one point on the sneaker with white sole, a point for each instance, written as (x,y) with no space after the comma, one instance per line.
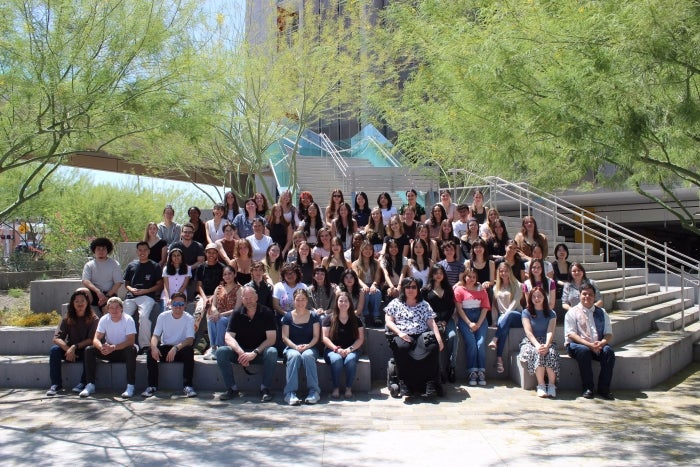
(208,354)
(551,391)
(88,391)
(53,390)
(149,392)
(78,388)
(189,391)
(472,378)
(128,392)
(312,398)
(482,378)
(292,399)
(541,390)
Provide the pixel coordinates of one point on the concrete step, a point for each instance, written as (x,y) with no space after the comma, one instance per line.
(32,371)
(619,282)
(675,321)
(640,364)
(630,323)
(596,263)
(600,275)
(26,341)
(696,351)
(612,297)
(638,301)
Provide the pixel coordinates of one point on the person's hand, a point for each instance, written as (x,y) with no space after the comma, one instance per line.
(405,337)
(155,353)
(473,327)
(245,358)
(107,349)
(70,353)
(542,349)
(302,347)
(171,355)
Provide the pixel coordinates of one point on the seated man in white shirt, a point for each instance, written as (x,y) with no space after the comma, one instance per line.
(175,331)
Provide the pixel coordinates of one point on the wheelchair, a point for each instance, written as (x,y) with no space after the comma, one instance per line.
(394,381)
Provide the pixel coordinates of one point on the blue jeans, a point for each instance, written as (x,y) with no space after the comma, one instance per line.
(373,302)
(337,364)
(307,359)
(225,356)
(584,355)
(474,341)
(510,319)
(56,356)
(217,331)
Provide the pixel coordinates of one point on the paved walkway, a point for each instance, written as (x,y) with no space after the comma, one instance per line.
(493,425)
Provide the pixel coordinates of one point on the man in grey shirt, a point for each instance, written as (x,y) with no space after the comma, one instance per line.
(102,274)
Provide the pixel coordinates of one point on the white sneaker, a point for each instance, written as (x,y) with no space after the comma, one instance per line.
(292,399)
(313,398)
(472,378)
(150,391)
(78,388)
(89,390)
(541,390)
(208,354)
(189,391)
(482,378)
(551,390)
(128,392)
(53,390)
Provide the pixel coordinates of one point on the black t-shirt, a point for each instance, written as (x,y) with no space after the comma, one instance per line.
(143,276)
(264,291)
(250,333)
(156,253)
(518,266)
(189,253)
(344,338)
(210,276)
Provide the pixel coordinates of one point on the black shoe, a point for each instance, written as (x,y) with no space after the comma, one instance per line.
(403,389)
(230,394)
(378,323)
(430,389)
(588,394)
(607,396)
(265,395)
(451,376)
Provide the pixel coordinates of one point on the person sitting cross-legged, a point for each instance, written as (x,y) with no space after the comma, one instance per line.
(175,331)
(250,339)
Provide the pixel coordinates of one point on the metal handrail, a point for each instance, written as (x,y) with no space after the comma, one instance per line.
(387,155)
(630,243)
(328,146)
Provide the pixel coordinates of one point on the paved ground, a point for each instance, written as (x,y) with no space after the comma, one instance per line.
(493,425)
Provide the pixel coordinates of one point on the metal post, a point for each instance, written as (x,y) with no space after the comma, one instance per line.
(682,299)
(624,273)
(646,266)
(666,264)
(607,240)
(583,237)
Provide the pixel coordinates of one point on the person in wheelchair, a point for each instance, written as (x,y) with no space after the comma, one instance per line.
(416,340)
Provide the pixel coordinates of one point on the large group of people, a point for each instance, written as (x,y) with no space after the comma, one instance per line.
(274,279)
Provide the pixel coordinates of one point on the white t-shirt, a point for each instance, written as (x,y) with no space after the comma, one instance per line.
(173,331)
(285,294)
(116,332)
(259,246)
(387,213)
(460,228)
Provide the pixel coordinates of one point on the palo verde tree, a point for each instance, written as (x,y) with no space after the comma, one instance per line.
(554,93)
(86,75)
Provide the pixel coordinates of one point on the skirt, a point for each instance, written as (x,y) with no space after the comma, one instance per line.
(529,355)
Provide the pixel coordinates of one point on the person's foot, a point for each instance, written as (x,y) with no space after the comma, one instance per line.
(78,388)
(336,393)
(430,389)
(313,397)
(292,399)
(208,355)
(378,323)
(482,378)
(499,366)
(551,391)
(265,395)
(472,378)
(493,344)
(189,391)
(607,396)
(149,392)
(541,390)
(88,391)
(587,394)
(128,392)
(53,390)
(451,376)
(348,393)
(403,389)
(231,393)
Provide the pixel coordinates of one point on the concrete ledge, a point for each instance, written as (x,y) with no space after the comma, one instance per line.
(48,295)
(26,341)
(675,321)
(33,372)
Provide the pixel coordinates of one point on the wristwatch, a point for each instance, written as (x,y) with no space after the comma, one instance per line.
(256,351)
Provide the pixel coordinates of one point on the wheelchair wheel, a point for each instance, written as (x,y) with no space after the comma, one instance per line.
(392,379)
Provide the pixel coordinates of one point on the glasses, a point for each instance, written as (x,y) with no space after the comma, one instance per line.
(412,286)
(178,303)
(337,196)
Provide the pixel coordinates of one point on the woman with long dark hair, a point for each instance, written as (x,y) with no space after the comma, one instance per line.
(342,336)
(176,277)
(73,334)
(312,224)
(371,278)
(343,225)
(362,210)
(439,294)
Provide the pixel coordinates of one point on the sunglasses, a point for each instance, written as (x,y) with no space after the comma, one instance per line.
(178,303)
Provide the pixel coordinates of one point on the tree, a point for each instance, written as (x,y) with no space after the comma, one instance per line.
(556,93)
(82,75)
(291,72)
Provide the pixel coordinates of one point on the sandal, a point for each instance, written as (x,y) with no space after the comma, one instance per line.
(499,367)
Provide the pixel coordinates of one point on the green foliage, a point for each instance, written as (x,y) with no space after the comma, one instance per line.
(26,318)
(15,293)
(550,92)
